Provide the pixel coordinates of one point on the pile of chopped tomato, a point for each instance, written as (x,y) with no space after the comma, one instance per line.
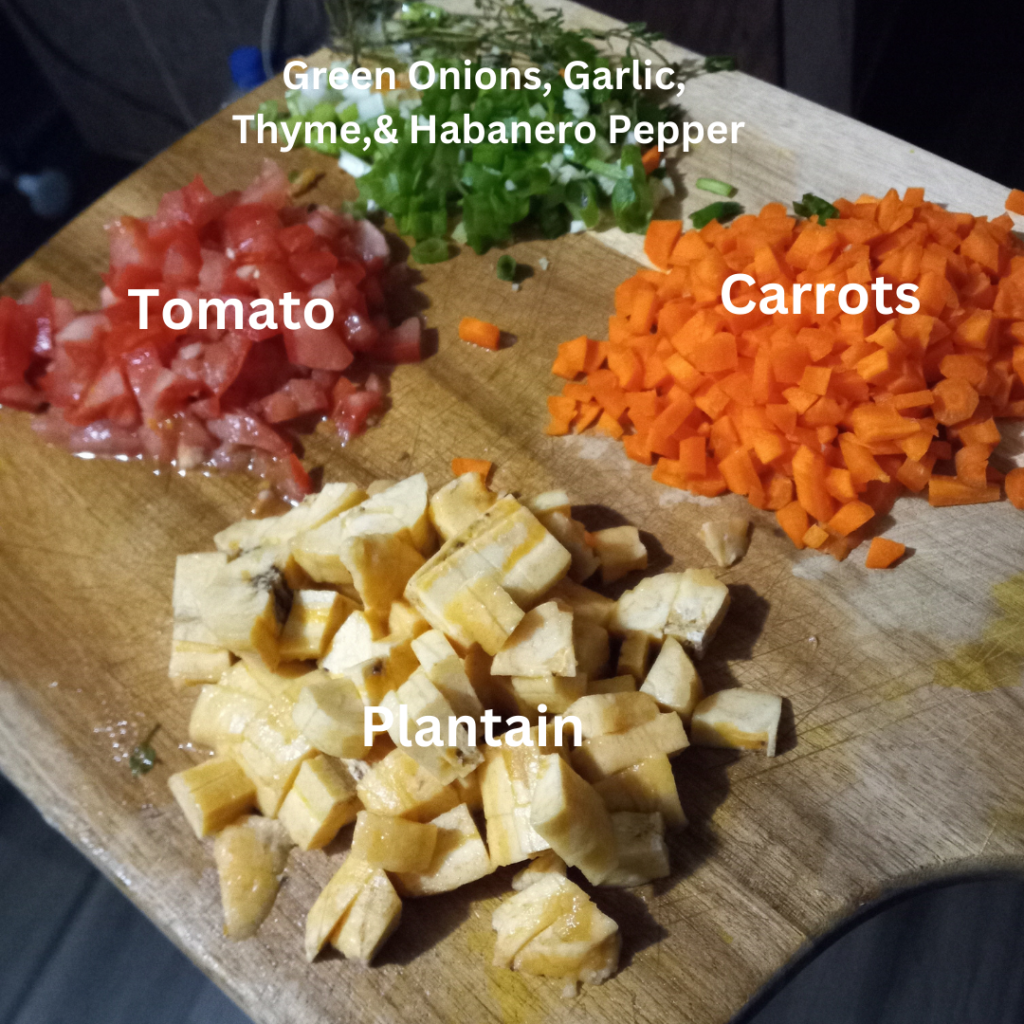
(223,398)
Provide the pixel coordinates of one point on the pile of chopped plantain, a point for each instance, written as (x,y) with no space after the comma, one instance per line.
(462,606)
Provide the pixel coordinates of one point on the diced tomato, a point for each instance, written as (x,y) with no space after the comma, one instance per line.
(250,233)
(270,187)
(359,332)
(402,344)
(159,391)
(297,238)
(351,411)
(371,245)
(319,350)
(299,397)
(245,429)
(313,266)
(109,398)
(130,245)
(17,334)
(208,395)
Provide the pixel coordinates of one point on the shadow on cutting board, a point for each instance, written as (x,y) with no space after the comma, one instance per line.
(73,950)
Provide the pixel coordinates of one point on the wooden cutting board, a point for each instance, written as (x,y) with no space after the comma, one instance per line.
(887,773)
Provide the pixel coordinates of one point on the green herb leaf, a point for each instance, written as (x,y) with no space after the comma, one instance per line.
(506,268)
(720,188)
(812,206)
(722,212)
(721,62)
(143,757)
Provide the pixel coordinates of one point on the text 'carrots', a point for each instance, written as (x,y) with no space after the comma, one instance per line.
(824,418)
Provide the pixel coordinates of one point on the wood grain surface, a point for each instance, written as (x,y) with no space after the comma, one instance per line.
(884,774)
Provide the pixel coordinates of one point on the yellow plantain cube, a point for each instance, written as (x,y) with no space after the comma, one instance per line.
(459,857)
(333,903)
(601,756)
(371,919)
(321,802)
(195,663)
(640,842)
(673,681)
(250,856)
(212,794)
(401,787)
(633,655)
(600,714)
(620,550)
(315,617)
(329,713)
(570,815)
(646,787)
(394,844)
(459,504)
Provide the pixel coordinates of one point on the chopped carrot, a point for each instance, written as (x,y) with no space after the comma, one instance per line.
(793,519)
(948,490)
(652,160)
(1014,484)
(661,239)
(572,358)
(883,552)
(852,516)
(823,418)
(481,466)
(479,332)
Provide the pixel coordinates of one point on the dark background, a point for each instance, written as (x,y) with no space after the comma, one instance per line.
(95,87)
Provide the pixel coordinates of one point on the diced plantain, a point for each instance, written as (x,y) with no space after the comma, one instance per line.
(738,719)
(368,923)
(459,857)
(620,550)
(572,535)
(542,866)
(401,787)
(334,901)
(212,794)
(586,604)
(393,844)
(646,787)
(541,644)
(673,681)
(699,607)
(633,655)
(329,713)
(313,511)
(250,855)
(640,842)
(602,756)
(315,616)
(570,815)
(321,801)
(727,540)
(195,663)
(458,504)
(380,566)
(601,714)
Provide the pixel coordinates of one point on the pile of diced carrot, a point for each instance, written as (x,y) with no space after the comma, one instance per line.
(823,419)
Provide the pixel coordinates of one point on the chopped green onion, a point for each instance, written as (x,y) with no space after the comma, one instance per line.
(507,267)
(720,188)
(813,205)
(430,250)
(722,212)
